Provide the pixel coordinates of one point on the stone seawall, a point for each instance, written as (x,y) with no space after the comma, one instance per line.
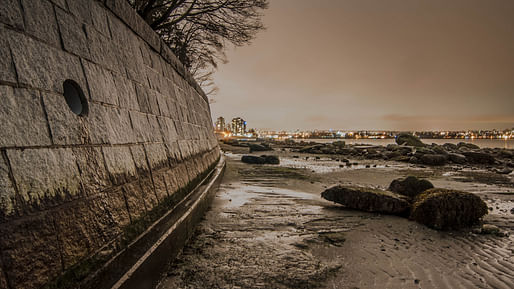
(101,130)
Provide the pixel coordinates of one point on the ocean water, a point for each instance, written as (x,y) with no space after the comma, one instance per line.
(483,143)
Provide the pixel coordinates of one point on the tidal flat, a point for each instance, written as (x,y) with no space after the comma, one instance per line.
(269,228)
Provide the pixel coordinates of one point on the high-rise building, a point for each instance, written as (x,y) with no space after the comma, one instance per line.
(220,124)
(238,126)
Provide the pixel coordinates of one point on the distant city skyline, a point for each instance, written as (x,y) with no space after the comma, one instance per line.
(373,64)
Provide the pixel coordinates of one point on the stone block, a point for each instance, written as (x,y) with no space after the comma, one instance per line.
(160,185)
(99,19)
(21,108)
(10,13)
(30,251)
(154,131)
(179,129)
(132,62)
(78,237)
(109,209)
(101,83)
(7,72)
(163,104)
(139,155)
(66,127)
(140,125)
(81,9)
(120,164)
(72,33)
(174,151)
(142,99)
(7,192)
(41,66)
(148,192)
(136,203)
(126,92)
(92,169)
(99,128)
(168,129)
(102,50)
(157,156)
(45,177)
(153,103)
(120,126)
(40,21)
(123,10)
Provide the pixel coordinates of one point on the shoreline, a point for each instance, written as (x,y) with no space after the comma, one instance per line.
(269,228)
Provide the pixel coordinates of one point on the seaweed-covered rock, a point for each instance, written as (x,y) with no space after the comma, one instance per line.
(256,147)
(433,159)
(409,140)
(368,199)
(479,158)
(444,209)
(466,145)
(264,159)
(457,158)
(410,186)
(270,159)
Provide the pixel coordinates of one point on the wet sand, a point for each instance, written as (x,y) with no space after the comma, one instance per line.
(269,228)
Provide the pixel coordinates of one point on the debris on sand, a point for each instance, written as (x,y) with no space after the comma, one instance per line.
(264,159)
(368,199)
(410,186)
(445,209)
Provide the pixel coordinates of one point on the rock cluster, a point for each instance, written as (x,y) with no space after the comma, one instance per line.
(440,209)
(412,150)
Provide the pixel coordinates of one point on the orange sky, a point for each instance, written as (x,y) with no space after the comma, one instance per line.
(375,64)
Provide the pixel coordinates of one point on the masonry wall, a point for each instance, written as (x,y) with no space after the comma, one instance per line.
(72,186)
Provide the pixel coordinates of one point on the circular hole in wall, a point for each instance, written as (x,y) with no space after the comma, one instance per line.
(74,97)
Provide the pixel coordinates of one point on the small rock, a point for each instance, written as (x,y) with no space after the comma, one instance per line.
(410,186)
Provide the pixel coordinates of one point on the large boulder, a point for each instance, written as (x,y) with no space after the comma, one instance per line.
(444,209)
(410,186)
(467,145)
(256,147)
(409,140)
(433,159)
(368,199)
(479,158)
(457,158)
(264,159)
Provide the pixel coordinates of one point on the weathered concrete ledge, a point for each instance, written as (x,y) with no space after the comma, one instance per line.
(141,264)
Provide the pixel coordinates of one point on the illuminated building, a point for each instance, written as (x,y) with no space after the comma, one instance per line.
(238,126)
(220,124)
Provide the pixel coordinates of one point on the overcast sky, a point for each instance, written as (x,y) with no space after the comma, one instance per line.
(374,64)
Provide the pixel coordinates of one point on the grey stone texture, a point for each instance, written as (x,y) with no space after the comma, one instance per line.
(40,21)
(7,192)
(10,13)
(7,72)
(71,184)
(44,177)
(72,33)
(22,118)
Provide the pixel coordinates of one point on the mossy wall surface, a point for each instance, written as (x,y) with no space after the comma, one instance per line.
(71,185)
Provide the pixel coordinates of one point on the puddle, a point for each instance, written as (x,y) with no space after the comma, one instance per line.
(239,194)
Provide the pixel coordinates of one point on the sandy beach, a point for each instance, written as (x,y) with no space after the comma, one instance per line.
(269,228)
